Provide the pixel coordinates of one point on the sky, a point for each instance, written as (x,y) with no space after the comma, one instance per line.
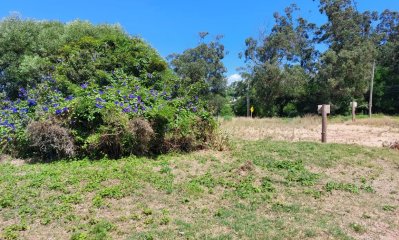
(171,26)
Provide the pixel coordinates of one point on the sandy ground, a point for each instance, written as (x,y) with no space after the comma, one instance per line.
(376,133)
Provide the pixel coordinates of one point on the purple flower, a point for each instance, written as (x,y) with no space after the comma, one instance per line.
(131,96)
(56,105)
(84,85)
(14,110)
(99,106)
(45,108)
(22,93)
(139,98)
(31,102)
(126,110)
(58,112)
(69,98)
(65,109)
(101,92)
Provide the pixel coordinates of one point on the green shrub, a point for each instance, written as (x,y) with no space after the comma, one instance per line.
(107,94)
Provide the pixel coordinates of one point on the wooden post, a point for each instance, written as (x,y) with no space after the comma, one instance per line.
(323,124)
(353,105)
(324,110)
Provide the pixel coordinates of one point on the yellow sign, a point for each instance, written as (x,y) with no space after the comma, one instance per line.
(252,109)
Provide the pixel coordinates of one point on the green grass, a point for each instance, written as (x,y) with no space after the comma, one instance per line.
(258,190)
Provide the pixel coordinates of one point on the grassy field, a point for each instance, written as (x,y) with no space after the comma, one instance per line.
(375,132)
(260,189)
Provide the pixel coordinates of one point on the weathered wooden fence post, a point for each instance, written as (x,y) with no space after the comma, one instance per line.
(324,110)
(353,104)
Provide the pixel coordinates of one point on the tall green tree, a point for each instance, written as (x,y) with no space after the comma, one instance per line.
(282,64)
(346,66)
(387,74)
(202,72)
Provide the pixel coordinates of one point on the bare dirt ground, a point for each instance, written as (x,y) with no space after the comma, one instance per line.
(368,132)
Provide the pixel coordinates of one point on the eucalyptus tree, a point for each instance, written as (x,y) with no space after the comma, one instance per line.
(202,72)
(346,66)
(282,63)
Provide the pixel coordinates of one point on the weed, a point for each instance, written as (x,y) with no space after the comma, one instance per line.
(281,207)
(12,231)
(348,187)
(79,236)
(165,220)
(149,221)
(98,201)
(100,230)
(147,211)
(267,185)
(245,188)
(357,228)
(112,192)
(389,208)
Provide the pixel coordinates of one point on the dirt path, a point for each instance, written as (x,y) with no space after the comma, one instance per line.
(366,134)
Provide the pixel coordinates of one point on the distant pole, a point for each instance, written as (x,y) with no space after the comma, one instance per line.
(248,103)
(323,124)
(371,91)
(353,111)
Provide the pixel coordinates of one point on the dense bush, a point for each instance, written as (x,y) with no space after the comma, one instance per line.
(99,93)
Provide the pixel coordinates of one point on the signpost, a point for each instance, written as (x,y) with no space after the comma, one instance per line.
(354,106)
(252,110)
(324,110)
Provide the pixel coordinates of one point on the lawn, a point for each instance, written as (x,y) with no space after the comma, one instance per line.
(259,189)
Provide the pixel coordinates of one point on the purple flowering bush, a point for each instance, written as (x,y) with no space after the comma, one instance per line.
(104,120)
(109,93)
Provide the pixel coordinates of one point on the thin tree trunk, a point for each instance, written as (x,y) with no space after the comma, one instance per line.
(248,103)
(371,90)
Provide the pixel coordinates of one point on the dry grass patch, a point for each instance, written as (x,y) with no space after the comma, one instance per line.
(374,133)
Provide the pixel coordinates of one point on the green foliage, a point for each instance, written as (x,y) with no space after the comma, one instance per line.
(348,187)
(112,93)
(201,72)
(358,228)
(286,75)
(12,232)
(389,208)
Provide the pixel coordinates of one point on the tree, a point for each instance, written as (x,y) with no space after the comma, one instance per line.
(387,73)
(282,63)
(345,69)
(201,70)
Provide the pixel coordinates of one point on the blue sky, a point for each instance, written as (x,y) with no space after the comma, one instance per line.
(172,26)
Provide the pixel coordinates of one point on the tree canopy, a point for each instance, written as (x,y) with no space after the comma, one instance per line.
(289,74)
